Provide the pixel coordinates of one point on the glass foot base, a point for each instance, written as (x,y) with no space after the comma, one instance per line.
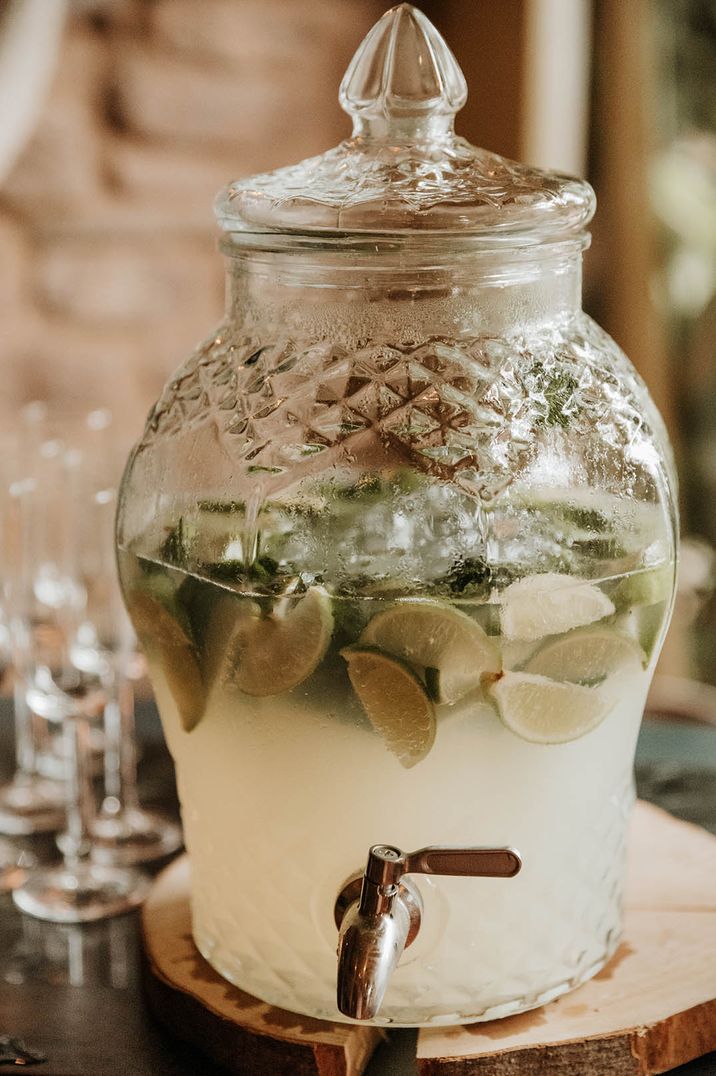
(31,805)
(14,865)
(82,895)
(134,836)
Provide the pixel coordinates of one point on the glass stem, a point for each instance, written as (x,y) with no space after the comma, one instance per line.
(120,759)
(25,753)
(76,841)
(130,797)
(112,750)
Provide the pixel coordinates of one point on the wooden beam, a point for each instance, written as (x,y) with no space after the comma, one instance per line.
(488,41)
(624,257)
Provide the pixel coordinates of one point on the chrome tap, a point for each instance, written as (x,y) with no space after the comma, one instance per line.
(379,915)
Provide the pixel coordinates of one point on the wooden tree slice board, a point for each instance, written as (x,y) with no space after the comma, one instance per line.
(238,1031)
(651,1009)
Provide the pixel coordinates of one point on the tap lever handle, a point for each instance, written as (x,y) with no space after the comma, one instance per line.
(387,864)
(468,862)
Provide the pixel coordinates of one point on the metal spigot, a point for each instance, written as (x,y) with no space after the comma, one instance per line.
(379,915)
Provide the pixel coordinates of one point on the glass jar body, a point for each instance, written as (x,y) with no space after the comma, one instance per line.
(449,472)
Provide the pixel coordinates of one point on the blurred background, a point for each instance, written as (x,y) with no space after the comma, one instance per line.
(122,118)
(119,122)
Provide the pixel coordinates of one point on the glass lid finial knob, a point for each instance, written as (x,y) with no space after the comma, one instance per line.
(403,78)
(405,170)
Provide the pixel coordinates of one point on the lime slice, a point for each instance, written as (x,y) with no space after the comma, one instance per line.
(586,656)
(643,598)
(650,625)
(549,604)
(164,633)
(545,711)
(645,623)
(195,600)
(226,611)
(395,701)
(646,587)
(268,655)
(164,589)
(430,635)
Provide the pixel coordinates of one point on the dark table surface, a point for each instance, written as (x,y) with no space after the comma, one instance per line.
(74,994)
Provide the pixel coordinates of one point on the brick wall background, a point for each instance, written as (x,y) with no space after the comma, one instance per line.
(109,272)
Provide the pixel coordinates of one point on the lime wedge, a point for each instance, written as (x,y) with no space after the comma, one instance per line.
(164,633)
(395,701)
(645,623)
(549,604)
(646,587)
(268,655)
(586,656)
(545,711)
(430,635)
(643,599)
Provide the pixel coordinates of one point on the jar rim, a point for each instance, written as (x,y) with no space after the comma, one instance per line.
(421,246)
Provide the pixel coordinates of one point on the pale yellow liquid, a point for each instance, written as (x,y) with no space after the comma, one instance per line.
(282,797)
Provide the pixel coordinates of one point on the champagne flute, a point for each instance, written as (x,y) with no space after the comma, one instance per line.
(124,833)
(29,802)
(46,597)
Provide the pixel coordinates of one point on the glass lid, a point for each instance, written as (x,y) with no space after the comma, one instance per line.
(404,169)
